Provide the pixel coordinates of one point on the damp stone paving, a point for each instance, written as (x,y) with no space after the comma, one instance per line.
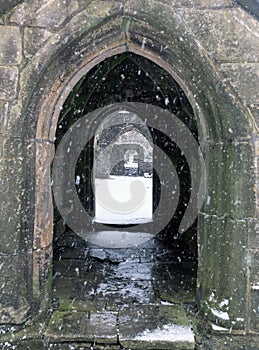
(136,298)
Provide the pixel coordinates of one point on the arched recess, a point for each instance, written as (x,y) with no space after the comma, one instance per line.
(145,83)
(225,137)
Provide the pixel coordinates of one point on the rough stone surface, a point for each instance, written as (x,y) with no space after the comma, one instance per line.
(254,274)
(79,326)
(239,76)
(14,120)
(149,319)
(8,83)
(225,161)
(253,227)
(222,251)
(3,109)
(212,48)
(43,231)
(110,287)
(204,4)
(11,208)
(254,108)
(227,35)
(1,152)
(13,152)
(10,45)
(13,304)
(34,38)
(255,309)
(210,340)
(46,13)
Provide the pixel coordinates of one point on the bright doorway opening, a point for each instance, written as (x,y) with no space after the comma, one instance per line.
(123,171)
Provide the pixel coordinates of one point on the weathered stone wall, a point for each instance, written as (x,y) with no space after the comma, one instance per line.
(211,48)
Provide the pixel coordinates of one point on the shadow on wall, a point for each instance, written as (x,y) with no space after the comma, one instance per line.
(6,5)
(251,6)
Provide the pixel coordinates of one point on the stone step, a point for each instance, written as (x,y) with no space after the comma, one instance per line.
(138,327)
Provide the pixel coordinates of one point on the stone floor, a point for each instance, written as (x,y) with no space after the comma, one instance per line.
(136,298)
(122,299)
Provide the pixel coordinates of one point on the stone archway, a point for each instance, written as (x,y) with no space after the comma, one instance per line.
(225,137)
(207,290)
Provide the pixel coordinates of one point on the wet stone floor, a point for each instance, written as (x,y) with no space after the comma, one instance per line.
(123,298)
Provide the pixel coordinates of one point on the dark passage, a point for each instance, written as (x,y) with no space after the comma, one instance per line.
(131,78)
(126,296)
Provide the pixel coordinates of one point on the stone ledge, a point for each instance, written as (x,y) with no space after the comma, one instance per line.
(155,327)
(142,327)
(82,326)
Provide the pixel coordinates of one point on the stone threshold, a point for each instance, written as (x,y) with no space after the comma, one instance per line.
(134,327)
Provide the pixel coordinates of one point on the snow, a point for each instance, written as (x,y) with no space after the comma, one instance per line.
(124,112)
(166,303)
(130,165)
(170,333)
(212,296)
(224,302)
(143,44)
(119,290)
(78,180)
(129,202)
(220,314)
(218,328)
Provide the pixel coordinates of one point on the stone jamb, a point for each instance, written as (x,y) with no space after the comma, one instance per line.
(46,127)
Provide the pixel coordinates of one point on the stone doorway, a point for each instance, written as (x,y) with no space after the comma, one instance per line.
(45,56)
(156,276)
(128,163)
(130,78)
(211,130)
